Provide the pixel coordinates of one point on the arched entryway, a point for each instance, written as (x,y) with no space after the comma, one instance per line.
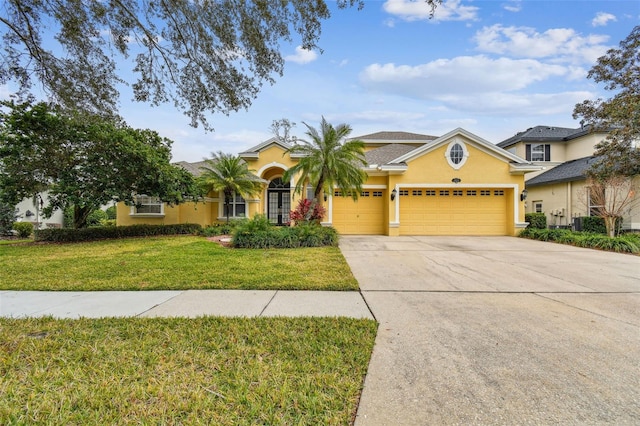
(278,201)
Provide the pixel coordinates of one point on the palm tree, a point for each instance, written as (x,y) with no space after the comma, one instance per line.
(229,174)
(329,161)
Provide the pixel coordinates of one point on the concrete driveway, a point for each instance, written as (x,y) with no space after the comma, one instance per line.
(498,330)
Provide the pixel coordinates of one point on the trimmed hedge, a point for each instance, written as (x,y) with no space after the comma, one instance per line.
(536,220)
(627,243)
(67,235)
(258,233)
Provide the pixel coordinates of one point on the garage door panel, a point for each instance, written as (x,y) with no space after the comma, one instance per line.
(453,212)
(364,217)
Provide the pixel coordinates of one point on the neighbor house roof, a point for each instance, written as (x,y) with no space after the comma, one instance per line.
(566,172)
(542,134)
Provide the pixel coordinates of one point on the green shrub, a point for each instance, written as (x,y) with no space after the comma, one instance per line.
(593,224)
(219,229)
(628,243)
(96,217)
(259,233)
(536,220)
(111,213)
(108,222)
(67,235)
(24,229)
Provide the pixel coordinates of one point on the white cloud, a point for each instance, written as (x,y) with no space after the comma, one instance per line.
(416,10)
(302,56)
(513,6)
(464,75)
(508,104)
(476,84)
(603,19)
(560,44)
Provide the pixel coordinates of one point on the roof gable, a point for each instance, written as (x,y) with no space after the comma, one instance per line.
(254,152)
(475,140)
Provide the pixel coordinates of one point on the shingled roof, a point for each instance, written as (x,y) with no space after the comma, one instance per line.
(566,172)
(387,136)
(386,154)
(193,168)
(543,134)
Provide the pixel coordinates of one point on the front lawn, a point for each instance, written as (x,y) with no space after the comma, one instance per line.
(207,370)
(176,263)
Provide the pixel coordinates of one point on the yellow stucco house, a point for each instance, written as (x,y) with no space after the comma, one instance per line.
(456,184)
(559,189)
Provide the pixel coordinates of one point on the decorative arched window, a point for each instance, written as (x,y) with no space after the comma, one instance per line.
(456,154)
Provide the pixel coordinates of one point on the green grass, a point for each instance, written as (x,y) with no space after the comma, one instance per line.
(209,370)
(184,262)
(15,241)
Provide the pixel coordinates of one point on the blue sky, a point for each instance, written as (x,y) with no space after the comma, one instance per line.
(491,67)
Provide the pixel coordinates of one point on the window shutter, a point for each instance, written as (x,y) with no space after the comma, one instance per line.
(528,152)
(547,152)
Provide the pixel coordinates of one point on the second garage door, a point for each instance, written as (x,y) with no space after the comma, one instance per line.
(364,217)
(453,212)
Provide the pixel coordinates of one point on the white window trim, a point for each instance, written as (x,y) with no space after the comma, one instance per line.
(465,154)
(133,211)
(233,203)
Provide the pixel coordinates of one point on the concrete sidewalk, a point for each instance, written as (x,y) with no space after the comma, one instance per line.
(188,303)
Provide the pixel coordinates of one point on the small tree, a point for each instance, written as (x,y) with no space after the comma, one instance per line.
(229,174)
(611,198)
(328,161)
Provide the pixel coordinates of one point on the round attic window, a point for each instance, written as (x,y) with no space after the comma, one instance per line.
(456,154)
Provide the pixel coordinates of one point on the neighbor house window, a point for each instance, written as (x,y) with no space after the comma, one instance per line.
(538,152)
(595,205)
(237,207)
(147,206)
(537,206)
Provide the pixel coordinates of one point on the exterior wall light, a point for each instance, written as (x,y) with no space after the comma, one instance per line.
(393,194)
(523,195)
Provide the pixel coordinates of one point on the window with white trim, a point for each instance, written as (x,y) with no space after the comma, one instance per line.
(237,206)
(537,206)
(538,152)
(147,206)
(456,154)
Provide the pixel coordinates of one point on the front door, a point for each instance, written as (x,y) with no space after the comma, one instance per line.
(279,202)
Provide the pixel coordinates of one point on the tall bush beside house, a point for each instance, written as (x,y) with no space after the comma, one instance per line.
(536,220)
(7,217)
